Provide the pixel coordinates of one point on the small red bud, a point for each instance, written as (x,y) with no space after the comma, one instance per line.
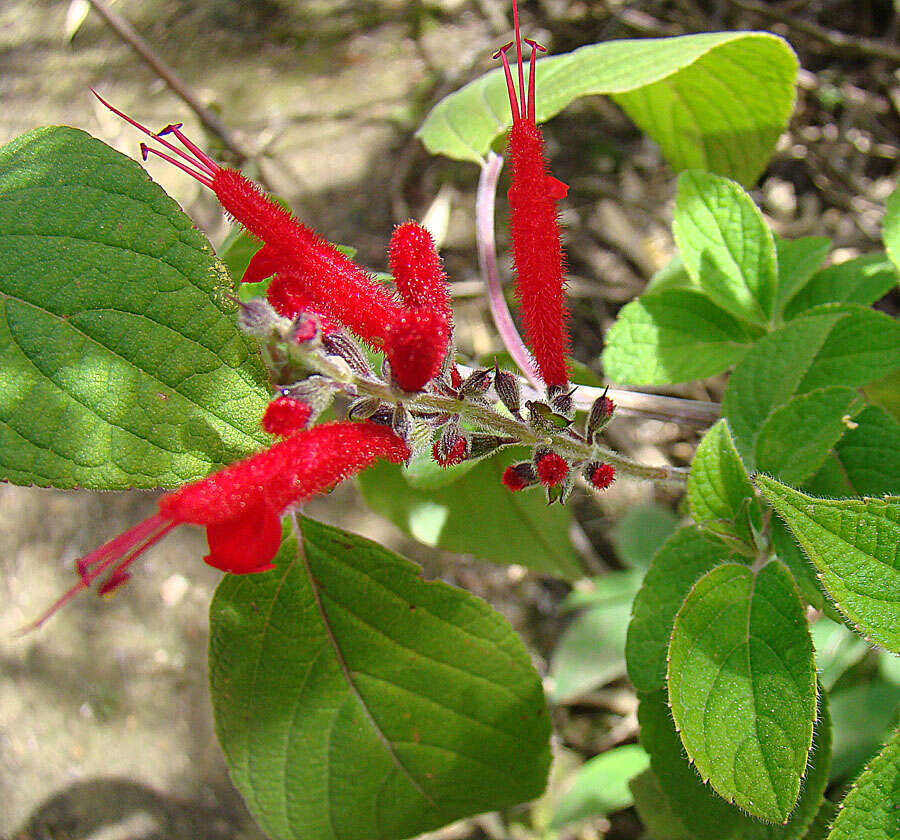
(600,475)
(552,469)
(456,454)
(285,415)
(519,476)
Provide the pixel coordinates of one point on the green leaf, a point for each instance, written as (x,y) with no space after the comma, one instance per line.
(862,280)
(885,393)
(855,546)
(789,552)
(602,591)
(477,515)
(673,335)
(641,531)
(866,460)
(740,86)
(600,786)
(890,228)
(122,362)
(796,437)
(719,492)
(726,245)
(682,560)
(354,699)
(818,829)
(840,344)
(591,652)
(696,805)
(655,809)
(798,260)
(864,716)
(871,811)
(742,686)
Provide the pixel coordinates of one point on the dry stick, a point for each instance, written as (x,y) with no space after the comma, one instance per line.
(127,33)
(694,412)
(859,45)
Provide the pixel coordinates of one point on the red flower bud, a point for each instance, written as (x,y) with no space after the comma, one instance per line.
(600,475)
(457,453)
(519,476)
(552,469)
(284,416)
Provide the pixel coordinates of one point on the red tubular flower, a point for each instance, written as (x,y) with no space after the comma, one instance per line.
(534,228)
(241,506)
(552,469)
(416,344)
(417,270)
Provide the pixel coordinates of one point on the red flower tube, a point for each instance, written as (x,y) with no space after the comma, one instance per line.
(241,506)
(534,227)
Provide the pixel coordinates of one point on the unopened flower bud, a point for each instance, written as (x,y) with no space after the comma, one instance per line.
(304,329)
(456,454)
(455,377)
(507,387)
(519,476)
(315,391)
(481,444)
(285,415)
(258,318)
(476,383)
(600,414)
(338,343)
(600,475)
(542,417)
(562,402)
(363,408)
(401,422)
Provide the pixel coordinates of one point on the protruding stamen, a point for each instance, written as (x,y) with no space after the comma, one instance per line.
(201,160)
(207,162)
(92,565)
(519,56)
(204,179)
(510,85)
(532,86)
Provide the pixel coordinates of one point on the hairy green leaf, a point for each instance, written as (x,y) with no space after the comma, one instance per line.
(855,546)
(742,686)
(673,335)
(726,245)
(740,86)
(719,492)
(354,699)
(890,231)
(696,806)
(796,437)
(682,560)
(862,280)
(871,811)
(477,515)
(798,260)
(866,460)
(122,362)
(834,345)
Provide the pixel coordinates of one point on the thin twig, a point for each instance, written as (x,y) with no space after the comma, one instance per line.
(210,120)
(838,41)
(487,261)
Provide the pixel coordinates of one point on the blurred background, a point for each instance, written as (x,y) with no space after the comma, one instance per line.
(106,729)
